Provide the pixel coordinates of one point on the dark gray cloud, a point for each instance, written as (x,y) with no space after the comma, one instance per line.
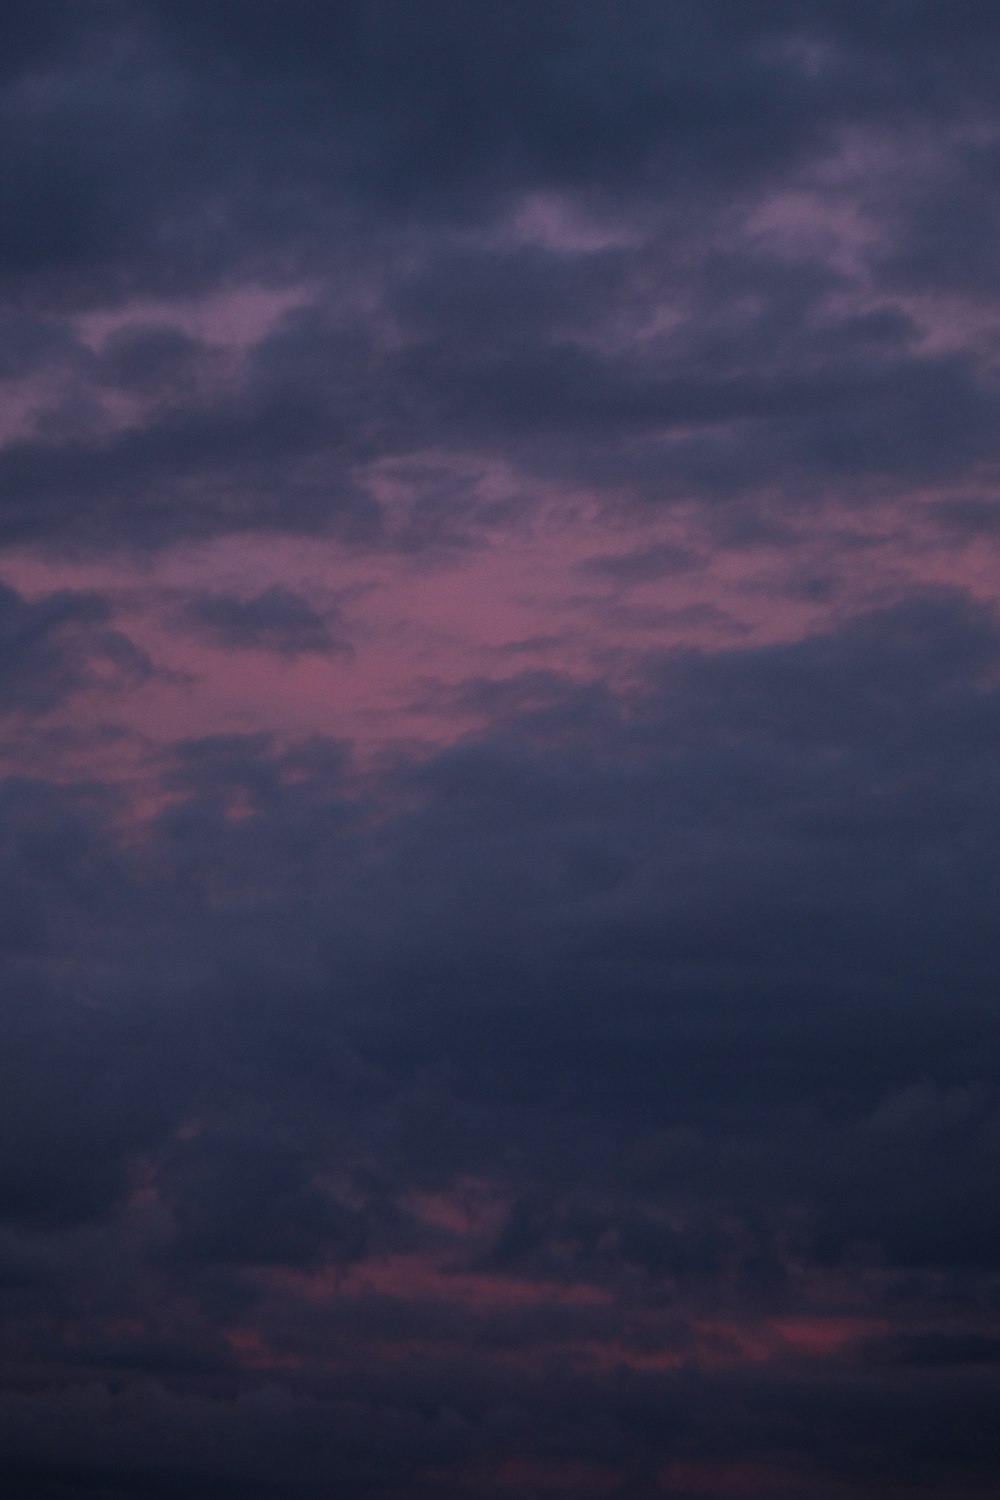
(765,894)
(644,564)
(379,152)
(251,1199)
(276,620)
(59,644)
(750,893)
(290,445)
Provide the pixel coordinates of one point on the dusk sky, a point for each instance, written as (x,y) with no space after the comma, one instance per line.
(500,803)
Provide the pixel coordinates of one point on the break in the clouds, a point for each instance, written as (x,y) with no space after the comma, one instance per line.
(499,661)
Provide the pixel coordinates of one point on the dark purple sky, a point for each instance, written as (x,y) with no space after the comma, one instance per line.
(500,676)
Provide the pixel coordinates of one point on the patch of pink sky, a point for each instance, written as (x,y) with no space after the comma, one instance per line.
(516,598)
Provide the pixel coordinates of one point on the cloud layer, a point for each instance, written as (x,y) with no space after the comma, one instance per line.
(501,689)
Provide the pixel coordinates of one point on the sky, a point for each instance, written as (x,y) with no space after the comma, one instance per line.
(500,767)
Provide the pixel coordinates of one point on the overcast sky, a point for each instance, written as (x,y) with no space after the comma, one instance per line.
(500,679)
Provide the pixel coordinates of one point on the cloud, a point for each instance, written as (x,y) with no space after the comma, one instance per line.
(704,911)
(275,620)
(388,165)
(60,644)
(522,1020)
